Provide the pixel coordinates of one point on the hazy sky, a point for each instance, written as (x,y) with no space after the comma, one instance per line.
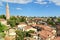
(31,7)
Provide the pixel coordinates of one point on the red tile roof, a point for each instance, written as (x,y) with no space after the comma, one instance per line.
(45,33)
(57,38)
(27,27)
(45,27)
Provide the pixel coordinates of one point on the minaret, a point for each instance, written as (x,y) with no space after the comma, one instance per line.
(7,12)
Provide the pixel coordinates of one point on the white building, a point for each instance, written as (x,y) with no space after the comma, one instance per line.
(21,26)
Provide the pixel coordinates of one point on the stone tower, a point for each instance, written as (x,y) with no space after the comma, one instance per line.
(7,12)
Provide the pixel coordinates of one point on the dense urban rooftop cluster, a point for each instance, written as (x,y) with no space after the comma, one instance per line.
(30,28)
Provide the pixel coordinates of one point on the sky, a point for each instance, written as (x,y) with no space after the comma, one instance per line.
(31,7)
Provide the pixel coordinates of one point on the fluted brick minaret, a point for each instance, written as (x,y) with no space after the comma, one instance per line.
(7,12)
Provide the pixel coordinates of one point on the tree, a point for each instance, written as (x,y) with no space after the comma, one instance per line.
(12,18)
(12,23)
(31,31)
(27,34)
(22,19)
(2,34)
(3,16)
(58,19)
(20,35)
(2,29)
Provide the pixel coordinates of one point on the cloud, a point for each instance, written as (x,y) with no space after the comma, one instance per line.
(41,2)
(18,8)
(56,2)
(18,1)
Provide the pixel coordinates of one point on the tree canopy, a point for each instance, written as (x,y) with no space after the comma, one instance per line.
(3,16)
(20,35)
(3,27)
(13,21)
